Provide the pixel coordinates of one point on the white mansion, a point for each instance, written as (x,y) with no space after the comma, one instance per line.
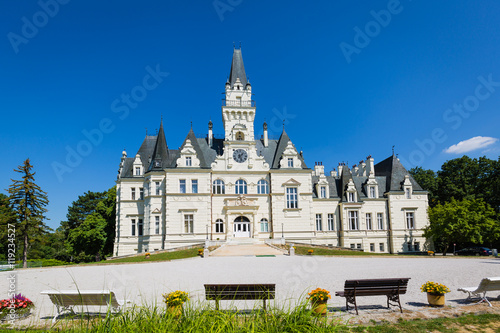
(247,187)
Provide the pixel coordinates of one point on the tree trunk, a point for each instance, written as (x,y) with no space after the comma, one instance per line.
(446,246)
(25,251)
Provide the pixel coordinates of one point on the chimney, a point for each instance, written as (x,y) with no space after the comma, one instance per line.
(362,168)
(354,170)
(340,170)
(333,173)
(319,169)
(266,139)
(210,133)
(370,167)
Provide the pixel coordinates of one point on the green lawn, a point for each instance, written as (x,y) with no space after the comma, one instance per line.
(181,254)
(318,251)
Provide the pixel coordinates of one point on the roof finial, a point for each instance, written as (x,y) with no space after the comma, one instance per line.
(191,124)
(283,124)
(234,45)
(240,45)
(146,131)
(392,150)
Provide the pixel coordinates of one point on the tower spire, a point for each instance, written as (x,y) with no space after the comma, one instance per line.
(237,69)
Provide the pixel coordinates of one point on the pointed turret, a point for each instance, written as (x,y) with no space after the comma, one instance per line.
(237,70)
(160,153)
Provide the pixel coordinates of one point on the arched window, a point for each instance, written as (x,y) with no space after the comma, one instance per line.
(262,187)
(218,187)
(264,225)
(240,136)
(219,226)
(241,186)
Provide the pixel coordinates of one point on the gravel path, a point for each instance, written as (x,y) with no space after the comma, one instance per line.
(294,277)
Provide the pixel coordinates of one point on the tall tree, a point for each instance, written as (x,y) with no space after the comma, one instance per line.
(6,217)
(465,222)
(427,179)
(28,202)
(80,209)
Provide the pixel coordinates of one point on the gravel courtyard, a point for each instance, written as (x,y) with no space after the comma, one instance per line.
(144,283)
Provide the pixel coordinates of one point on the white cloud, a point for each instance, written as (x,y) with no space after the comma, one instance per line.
(477,142)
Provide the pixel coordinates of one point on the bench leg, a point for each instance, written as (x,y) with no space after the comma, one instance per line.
(394,298)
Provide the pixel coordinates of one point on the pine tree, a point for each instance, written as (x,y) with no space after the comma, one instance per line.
(28,202)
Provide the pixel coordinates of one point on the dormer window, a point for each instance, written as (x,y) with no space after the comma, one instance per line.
(323,192)
(408,193)
(372,192)
(137,171)
(189,161)
(351,197)
(290,162)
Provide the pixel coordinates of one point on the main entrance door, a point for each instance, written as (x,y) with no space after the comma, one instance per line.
(241,227)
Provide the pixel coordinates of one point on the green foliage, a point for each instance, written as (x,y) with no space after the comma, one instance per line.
(6,217)
(466,221)
(28,202)
(92,238)
(181,254)
(427,179)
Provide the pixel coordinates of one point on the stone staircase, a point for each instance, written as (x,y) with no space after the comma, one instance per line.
(246,247)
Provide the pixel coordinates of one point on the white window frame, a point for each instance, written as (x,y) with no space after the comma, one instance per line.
(137,171)
(188,223)
(353,219)
(369,224)
(290,162)
(351,197)
(380,221)
(331,222)
(189,161)
(381,247)
(372,247)
(182,186)
(408,193)
(140,228)
(372,191)
(264,225)
(410,220)
(218,187)
(133,227)
(132,193)
(219,226)
(319,222)
(262,187)
(141,193)
(292,198)
(322,191)
(194,185)
(157,224)
(240,187)
(158,188)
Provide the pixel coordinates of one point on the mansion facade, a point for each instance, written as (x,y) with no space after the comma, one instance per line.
(239,186)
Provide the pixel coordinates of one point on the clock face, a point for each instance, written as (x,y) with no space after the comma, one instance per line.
(240,155)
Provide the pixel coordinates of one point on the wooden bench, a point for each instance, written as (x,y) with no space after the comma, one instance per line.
(65,300)
(486,284)
(391,288)
(219,292)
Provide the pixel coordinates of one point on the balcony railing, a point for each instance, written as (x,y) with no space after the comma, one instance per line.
(238,103)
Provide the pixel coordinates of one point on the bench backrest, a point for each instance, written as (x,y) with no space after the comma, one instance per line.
(377,286)
(83,298)
(489,284)
(239,291)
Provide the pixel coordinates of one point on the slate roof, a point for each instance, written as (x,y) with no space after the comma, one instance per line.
(394,172)
(237,69)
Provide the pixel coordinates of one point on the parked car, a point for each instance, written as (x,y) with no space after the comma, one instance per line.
(474,251)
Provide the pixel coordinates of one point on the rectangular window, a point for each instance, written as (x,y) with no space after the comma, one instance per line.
(381,247)
(141,193)
(353,220)
(133,227)
(219,226)
(350,197)
(408,193)
(140,228)
(410,220)
(189,162)
(137,171)
(417,246)
(369,221)
(358,246)
(264,225)
(157,187)
(182,185)
(331,222)
(372,247)
(194,186)
(291,197)
(290,162)
(323,192)
(372,191)
(353,246)
(380,221)
(319,226)
(188,223)
(157,225)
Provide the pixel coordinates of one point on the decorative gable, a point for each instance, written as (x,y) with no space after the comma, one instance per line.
(137,168)
(188,156)
(407,187)
(290,158)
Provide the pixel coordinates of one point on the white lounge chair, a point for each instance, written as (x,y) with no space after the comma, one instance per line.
(487,284)
(65,300)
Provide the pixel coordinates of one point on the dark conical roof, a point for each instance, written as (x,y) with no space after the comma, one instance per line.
(395,172)
(237,69)
(160,153)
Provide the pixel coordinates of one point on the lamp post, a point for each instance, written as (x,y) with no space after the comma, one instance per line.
(282,236)
(207,230)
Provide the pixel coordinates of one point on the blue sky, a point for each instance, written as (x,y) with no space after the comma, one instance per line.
(350,78)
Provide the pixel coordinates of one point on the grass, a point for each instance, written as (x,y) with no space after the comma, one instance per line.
(299,319)
(181,254)
(318,251)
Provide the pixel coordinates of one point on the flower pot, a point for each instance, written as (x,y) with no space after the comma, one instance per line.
(319,308)
(436,300)
(175,310)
